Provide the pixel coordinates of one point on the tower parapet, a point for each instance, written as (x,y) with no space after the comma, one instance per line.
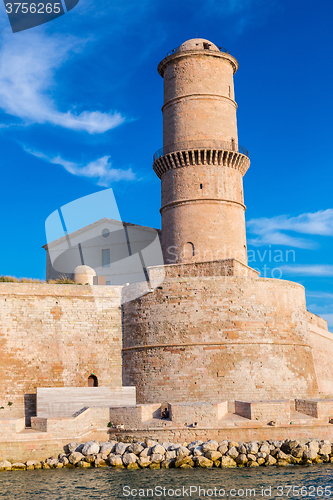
(201,165)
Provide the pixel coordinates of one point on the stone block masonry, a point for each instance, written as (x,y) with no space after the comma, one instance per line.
(215,338)
(56,336)
(263,411)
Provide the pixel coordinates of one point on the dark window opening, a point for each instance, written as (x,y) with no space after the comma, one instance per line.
(200,186)
(206,45)
(92,381)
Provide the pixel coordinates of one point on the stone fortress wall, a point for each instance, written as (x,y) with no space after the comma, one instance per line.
(215,338)
(55,336)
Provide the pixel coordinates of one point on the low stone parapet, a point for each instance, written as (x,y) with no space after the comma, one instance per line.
(264,411)
(317,408)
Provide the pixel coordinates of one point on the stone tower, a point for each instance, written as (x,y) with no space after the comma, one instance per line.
(214,330)
(201,165)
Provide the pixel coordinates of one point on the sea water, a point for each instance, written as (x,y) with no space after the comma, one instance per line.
(259,483)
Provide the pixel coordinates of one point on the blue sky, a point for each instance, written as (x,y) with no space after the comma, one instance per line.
(80,111)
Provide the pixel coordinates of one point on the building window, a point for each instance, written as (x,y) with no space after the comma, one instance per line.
(200,186)
(108,283)
(106,233)
(106,259)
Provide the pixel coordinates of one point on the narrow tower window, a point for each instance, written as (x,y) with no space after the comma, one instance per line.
(188,251)
(229,91)
(200,186)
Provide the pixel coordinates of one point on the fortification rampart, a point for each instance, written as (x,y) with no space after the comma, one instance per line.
(56,336)
(219,338)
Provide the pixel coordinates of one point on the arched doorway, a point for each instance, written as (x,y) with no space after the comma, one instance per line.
(92,381)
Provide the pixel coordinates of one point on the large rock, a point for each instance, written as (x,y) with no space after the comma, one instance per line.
(204,462)
(5,465)
(70,447)
(150,443)
(213,455)
(210,445)
(144,462)
(282,456)
(182,451)
(193,445)
(242,449)
(108,447)
(232,444)
(136,448)
(116,461)
(54,463)
(83,464)
(146,452)
(156,458)
(167,464)
(75,457)
(18,466)
(252,464)
(158,449)
(241,459)
(264,448)
(227,462)
(90,448)
(313,445)
(288,445)
(270,460)
(100,462)
(252,447)
(325,448)
(167,445)
(298,451)
(170,455)
(233,453)
(197,452)
(133,466)
(310,454)
(121,448)
(223,448)
(184,461)
(129,458)
(33,464)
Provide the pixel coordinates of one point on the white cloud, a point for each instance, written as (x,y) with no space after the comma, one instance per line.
(270,230)
(28,62)
(319,270)
(99,170)
(320,295)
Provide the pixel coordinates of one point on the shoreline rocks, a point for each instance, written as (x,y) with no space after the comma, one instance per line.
(154,455)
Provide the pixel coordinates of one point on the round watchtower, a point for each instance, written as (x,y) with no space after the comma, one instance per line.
(201,165)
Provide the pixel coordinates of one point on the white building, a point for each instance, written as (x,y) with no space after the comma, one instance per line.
(119,251)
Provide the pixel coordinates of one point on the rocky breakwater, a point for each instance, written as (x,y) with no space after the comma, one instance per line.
(154,455)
